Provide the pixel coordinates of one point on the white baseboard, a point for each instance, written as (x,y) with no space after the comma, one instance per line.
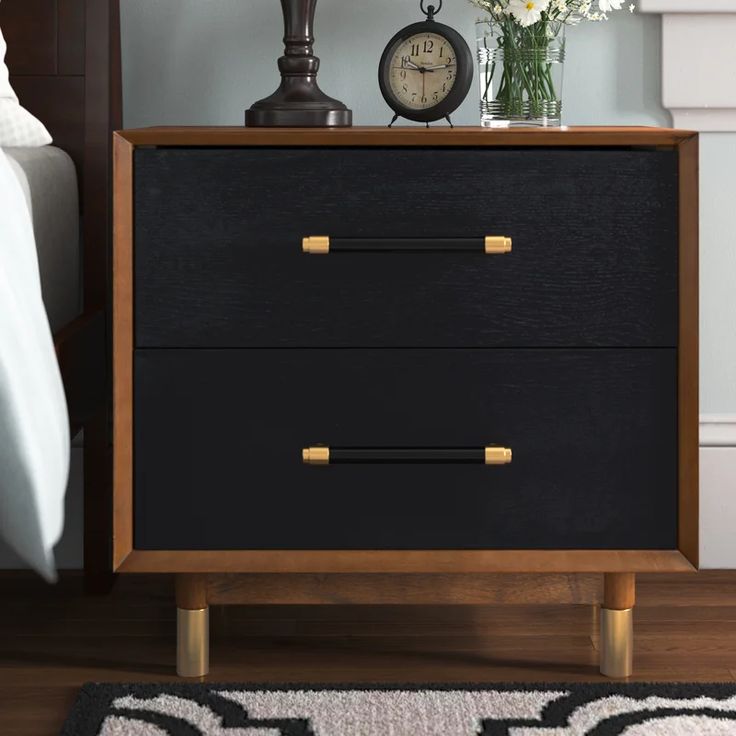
(718,507)
(718,491)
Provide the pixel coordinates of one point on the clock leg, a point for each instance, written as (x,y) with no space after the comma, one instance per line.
(616,645)
(192,626)
(447,117)
(393,120)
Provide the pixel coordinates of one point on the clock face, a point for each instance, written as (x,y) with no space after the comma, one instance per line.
(423,71)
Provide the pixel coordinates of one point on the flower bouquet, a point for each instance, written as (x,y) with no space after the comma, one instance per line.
(521,52)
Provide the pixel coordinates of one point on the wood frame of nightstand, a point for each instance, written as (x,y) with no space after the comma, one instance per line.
(201,571)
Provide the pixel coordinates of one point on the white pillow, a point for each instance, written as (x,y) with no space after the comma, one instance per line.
(17,126)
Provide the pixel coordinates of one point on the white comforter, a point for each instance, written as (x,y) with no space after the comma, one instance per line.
(34,426)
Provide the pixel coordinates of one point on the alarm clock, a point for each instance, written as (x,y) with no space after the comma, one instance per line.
(426,70)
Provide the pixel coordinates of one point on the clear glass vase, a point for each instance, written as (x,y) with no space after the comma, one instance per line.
(520,73)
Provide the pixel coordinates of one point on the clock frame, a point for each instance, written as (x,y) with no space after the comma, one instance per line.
(463,77)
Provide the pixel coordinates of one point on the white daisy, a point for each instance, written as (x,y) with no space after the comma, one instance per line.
(608,5)
(528,12)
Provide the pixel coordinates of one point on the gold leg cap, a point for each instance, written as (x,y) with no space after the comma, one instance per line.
(192,642)
(617,642)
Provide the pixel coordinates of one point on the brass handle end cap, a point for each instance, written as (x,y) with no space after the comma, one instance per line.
(316,244)
(498,244)
(498,455)
(316,455)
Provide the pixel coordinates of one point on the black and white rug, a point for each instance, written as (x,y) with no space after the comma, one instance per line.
(431,710)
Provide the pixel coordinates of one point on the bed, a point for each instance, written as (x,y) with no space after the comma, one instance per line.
(48,178)
(64,62)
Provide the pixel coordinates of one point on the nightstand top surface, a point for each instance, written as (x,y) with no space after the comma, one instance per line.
(406,136)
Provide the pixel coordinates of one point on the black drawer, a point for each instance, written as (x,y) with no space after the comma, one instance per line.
(219,436)
(219,261)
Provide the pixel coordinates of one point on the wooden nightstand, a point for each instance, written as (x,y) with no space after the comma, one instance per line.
(363,352)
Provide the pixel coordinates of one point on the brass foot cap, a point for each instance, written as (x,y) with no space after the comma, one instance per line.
(192,642)
(617,642)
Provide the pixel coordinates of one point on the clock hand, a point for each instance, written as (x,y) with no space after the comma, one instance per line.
(438,66)
(414,67)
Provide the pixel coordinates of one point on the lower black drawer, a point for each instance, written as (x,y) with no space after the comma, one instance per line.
(219,436)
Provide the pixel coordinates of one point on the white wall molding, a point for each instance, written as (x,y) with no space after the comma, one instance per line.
(718,430)
(687,6)
(698,62)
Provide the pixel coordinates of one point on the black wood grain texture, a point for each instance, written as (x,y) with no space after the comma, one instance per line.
(219,437)
(218,259)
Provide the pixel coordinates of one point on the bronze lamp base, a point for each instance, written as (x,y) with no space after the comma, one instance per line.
(298,102)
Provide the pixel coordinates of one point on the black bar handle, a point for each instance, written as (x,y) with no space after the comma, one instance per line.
(322,455)
(488,244)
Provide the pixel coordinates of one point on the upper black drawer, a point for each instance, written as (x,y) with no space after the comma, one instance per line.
(219,261)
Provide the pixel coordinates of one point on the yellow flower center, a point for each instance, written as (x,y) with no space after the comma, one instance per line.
(530,6)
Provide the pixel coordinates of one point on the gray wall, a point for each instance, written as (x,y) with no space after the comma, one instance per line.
(193,62)
(199,62)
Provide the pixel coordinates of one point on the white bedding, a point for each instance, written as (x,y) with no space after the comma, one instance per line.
(34,428)
(49,181)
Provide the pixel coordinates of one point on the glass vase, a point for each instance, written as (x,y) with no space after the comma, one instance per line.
(520,73)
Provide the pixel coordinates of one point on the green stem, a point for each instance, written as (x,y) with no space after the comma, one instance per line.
(526,87)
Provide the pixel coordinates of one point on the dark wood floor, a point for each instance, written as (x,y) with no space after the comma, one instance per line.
(53,639)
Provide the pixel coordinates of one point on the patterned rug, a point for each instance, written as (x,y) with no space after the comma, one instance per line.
(432,710)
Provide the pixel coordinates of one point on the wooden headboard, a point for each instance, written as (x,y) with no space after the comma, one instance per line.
(64,61)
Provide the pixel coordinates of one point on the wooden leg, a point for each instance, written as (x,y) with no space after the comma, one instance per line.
(192,626)
(617,625)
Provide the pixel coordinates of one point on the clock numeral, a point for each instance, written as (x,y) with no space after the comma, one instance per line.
(403,74)
(449,76)
(415,49)
(444,87)
(442,51)
(424,99)
(405,88)
(413,96)
(428,46)
(449,59)
(436,96)
(405,60)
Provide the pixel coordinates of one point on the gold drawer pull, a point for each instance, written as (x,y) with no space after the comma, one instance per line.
(323,244)
(321,455)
